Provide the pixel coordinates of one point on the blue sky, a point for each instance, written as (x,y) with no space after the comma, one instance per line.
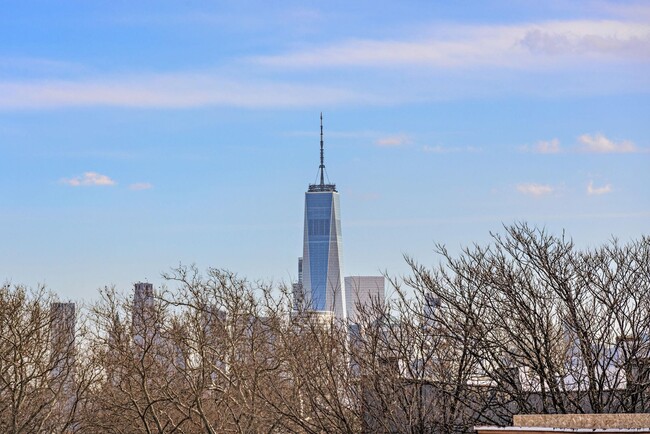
(135,136)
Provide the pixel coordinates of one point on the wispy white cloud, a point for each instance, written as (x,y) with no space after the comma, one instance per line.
(543,147)
(534,45)
(639,11)
(542,47)
(182,90)
(393,141)
(89,179)
(439,149)
(36,66)
(533,189)
(597,191)
(367,134)
(546,147)
(141,186)
(598,143)
(587,40)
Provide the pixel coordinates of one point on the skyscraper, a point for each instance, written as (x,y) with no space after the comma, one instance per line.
(62,339)
(299,290)
(143,315)
(63,320)
(363,294)
(322,269)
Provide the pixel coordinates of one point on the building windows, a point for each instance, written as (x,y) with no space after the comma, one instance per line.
(318,227)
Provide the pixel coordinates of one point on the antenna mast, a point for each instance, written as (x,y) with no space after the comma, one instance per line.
(321,169)
(322,163)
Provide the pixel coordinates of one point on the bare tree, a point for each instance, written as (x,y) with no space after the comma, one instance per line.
(525,324)
(42,377)
(551,329)
(257,367)
(138,383)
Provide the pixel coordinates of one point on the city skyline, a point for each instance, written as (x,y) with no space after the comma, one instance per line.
(137,137)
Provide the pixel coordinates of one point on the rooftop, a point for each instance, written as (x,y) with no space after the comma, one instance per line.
(321,187)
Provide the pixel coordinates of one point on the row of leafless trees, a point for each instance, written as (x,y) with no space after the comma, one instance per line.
(526,324)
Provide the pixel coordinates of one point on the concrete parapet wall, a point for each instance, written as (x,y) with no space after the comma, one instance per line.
(594,421)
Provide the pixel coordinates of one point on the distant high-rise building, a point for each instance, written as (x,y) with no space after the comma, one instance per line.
(430,309)
(215,332)
(431,304)
(363,292)
(299,291)
(63,320)
(322,269)
(62,338)
(143,315)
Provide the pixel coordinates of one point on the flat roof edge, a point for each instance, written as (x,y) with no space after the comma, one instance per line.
(559,430)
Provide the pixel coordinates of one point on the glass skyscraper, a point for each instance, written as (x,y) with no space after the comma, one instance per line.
(322,282)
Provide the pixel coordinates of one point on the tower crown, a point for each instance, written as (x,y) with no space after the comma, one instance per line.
(321,169)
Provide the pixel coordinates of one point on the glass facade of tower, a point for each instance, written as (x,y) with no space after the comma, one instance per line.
(318,210)
(323,284)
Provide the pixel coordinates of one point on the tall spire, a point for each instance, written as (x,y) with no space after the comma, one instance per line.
(322,162)
(321,186)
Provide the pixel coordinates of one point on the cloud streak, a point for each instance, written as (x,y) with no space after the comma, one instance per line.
(547,146)
(597,191)
(138,186)
(89,179)
(439,149)
(393,141)
(523,46)
(483,53)
(600,144)
(587,143)
(170,91)
(544,147)
(534,189)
